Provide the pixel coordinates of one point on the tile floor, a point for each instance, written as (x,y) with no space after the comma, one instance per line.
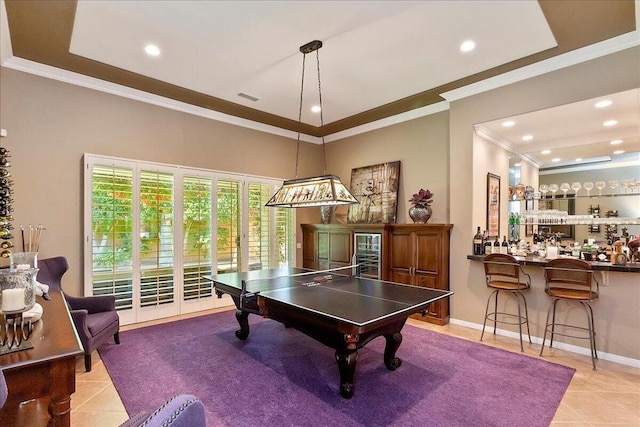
(609,396)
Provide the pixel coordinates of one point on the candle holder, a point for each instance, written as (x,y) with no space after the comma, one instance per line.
(17,295)
(23,260)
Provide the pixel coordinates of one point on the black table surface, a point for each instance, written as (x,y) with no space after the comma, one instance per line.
(358,301)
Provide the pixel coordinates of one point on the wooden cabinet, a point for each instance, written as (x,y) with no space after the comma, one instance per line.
(419,255)
(326,246)
(416,254)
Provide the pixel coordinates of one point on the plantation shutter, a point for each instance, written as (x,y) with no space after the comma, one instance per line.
(156,238)
(284,242)
(228,212)
(197,229)
(259,226)
(111,233)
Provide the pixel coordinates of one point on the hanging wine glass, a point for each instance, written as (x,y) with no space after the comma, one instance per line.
(544,188)
(600,185)
(565,187)
(613,184)
(553,188)
(588,186)
(576,186)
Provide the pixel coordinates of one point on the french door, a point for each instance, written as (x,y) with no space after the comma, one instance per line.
(153,231)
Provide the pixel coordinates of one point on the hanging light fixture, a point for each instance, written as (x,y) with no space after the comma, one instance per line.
(325,190)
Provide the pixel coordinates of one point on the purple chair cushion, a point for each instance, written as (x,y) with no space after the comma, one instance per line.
(98,322)
(183,410)
(3,389)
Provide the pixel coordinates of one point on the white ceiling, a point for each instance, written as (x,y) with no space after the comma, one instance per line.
(374,53)
(573,131)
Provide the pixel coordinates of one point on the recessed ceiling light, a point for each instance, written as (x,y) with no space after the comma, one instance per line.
(152,50)
(315,109)
(467,46)
(603,103)
(616,142)
(546,152)
(508,123)
(579,159)
(618,152)
(609,123)
(555,159)
(527,137)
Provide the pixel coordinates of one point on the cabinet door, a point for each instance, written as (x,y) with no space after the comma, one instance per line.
(428,252)
(340,248)
(323,247)
(402,253)
(400,275)
(309,253)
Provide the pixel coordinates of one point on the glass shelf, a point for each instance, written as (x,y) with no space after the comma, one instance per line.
(569,197)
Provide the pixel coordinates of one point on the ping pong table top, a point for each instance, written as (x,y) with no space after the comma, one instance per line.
(355,300)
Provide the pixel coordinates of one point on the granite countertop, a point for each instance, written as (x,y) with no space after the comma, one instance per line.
(596,265)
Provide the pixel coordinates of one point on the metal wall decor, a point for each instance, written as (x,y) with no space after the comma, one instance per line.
(5,204)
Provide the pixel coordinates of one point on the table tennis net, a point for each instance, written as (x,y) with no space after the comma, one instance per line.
(307,278)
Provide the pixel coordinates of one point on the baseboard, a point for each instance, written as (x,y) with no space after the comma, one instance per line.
(568,347)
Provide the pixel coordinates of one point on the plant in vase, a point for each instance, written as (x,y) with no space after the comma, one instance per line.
(420,212)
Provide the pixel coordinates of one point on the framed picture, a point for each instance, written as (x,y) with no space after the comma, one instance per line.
(376,188)
(493,205)
(528,230)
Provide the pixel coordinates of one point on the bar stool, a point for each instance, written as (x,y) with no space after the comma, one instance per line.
(503,275)
(571,280)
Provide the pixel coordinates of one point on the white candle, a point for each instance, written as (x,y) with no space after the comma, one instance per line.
(22,266)
(12,299)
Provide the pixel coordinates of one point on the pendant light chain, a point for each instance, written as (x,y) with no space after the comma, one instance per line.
(324,155)
(304,56)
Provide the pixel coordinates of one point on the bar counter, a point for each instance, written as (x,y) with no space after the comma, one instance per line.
(616,311)
(539,261)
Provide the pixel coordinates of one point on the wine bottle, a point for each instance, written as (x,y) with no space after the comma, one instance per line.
(496,246)
(487,246)
(504,248)
(477,243)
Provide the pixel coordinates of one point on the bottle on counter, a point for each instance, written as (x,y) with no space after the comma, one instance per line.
(504,247)
(478,247)
(496,246)
(487,246)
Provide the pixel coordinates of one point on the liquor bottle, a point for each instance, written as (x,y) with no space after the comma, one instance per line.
(504,247)
(487,246)
(477,243)
(496,246)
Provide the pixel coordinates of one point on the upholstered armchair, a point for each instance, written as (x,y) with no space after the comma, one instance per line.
(181,411)
(95,317)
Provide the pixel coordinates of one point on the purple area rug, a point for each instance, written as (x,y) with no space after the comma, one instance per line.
(280,377)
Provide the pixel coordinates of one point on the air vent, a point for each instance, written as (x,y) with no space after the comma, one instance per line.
(249,97)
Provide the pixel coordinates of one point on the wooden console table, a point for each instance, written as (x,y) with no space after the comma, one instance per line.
(41,380)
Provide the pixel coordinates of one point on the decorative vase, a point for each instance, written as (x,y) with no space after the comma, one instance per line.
(420,215)
(326,212)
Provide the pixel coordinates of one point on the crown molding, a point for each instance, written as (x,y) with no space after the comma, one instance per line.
(587,53)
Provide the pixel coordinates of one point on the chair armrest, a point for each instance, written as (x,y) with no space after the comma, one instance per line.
(80,321)
(95,304)
(180,411)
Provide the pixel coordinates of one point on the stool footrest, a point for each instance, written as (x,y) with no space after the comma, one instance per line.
(493,317)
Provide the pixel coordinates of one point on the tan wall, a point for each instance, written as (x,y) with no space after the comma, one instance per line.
(421,147)
(51,125)
(614,73)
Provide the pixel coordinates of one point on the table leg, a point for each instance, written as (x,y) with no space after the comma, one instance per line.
(393,342)
(347,369)
(243,320)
